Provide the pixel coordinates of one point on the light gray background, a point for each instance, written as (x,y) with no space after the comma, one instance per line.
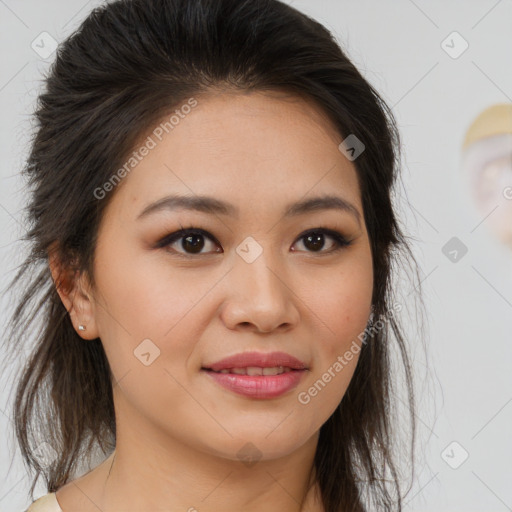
(397,46)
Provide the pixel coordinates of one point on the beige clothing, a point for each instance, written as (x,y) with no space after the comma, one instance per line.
(47,503)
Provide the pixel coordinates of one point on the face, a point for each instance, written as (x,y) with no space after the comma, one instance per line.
(256,275)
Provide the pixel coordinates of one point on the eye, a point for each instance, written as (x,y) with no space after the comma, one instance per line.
(314,240)
(191,241)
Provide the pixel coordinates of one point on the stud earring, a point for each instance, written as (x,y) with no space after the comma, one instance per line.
(81,327)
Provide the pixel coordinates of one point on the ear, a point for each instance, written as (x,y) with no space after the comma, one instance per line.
(75,293)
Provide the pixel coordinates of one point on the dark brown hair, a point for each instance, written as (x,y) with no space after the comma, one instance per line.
(130,62)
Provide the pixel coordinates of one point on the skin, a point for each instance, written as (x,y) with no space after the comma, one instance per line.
(178,432)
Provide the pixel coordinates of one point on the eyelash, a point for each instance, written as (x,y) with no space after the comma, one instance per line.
(340,241)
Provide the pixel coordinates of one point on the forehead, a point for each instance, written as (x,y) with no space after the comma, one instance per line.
(251,149)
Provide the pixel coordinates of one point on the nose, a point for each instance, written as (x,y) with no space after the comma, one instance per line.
(260,297)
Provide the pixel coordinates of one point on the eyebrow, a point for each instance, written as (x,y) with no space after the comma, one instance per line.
(213,206)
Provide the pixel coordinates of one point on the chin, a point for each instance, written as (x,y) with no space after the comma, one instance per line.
(257,446)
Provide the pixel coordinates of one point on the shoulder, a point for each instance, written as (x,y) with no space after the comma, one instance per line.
(74,495)
(47,503)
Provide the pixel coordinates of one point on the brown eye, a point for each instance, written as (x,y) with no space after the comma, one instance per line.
(314,240)
(190,241)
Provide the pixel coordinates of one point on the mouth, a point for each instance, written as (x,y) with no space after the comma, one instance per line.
(262,383)
(256,363)
(262,375)
(254,370)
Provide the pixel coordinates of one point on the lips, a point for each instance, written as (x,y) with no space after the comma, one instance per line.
(257,375)
(255,363)
(256,370)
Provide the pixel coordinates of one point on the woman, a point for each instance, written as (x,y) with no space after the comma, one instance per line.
(213,227)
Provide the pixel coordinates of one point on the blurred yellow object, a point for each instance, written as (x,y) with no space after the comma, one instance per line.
(495,120)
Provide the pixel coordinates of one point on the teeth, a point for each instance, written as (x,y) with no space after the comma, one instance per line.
(256,370)
(273,371)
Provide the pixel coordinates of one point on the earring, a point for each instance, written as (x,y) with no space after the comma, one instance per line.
(81,327)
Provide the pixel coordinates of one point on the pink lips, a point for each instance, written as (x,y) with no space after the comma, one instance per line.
(258,386)
(261,359)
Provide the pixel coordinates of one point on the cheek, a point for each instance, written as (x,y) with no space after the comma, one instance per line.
(348,314)
(339,351)
(342,305)
(145,297)
(344,310)
(148,328)
(150,306)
